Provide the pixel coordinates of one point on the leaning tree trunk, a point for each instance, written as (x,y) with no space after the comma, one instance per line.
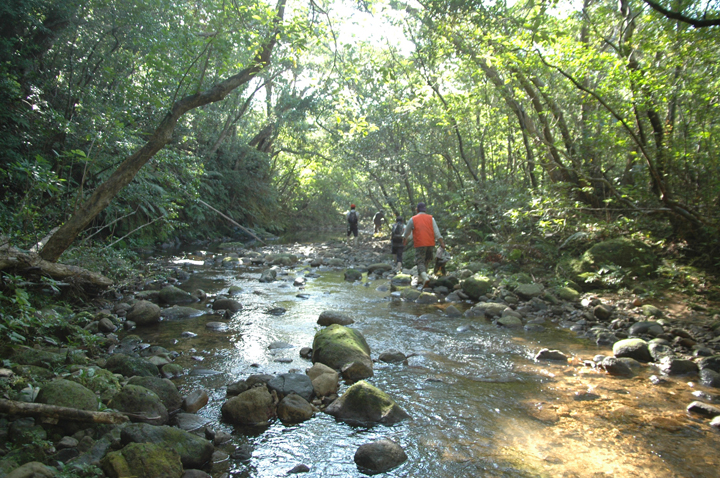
(125,173)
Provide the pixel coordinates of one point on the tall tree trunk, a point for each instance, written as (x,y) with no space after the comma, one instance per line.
(127,170)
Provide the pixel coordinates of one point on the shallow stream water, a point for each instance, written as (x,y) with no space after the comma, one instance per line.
(480,405)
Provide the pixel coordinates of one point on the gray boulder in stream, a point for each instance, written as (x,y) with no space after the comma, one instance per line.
(329,317)
(252,407)
(379,456)
(288,383)
(364,404)
(177,312)
(172,295)
(633,348)
(144,312)
(342,348)
(476,286)
(194,451)
(268,275)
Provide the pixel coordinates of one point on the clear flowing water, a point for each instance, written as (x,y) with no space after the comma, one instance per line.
(480,405)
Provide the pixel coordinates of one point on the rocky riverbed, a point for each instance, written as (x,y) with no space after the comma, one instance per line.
(243,357)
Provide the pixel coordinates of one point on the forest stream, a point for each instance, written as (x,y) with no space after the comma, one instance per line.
(480,405)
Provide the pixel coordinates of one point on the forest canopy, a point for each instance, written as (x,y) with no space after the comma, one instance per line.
(544,118)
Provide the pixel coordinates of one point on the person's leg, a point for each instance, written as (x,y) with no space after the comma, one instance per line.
(429,256)
(421,263)
(355,232)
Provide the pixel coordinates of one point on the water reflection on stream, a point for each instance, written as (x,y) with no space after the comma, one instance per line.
(480,405)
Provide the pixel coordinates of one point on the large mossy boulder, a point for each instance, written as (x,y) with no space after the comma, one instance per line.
(363,404)
(633,348)
(400,281)
(172,295)
(64,393)
(29,356)
(142,404)
(628,257)
(352,275)
(142,460)
(339,347)
(194,450)
(477,286)
(144,312)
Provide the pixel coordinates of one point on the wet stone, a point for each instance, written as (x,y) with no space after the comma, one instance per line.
(703,409)
(614,366)
(298,469)
(553,355)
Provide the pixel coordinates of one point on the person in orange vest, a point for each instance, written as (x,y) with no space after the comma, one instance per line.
(425,231)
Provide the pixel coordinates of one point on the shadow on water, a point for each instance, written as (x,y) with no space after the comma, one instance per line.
(480,405)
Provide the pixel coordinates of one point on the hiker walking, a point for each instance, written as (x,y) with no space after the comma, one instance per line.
(378,219)
(397,242)
(425,231)
(352,220)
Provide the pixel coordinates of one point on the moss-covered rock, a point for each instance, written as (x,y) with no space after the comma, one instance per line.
(352,275)
(338,346)
(142,460)
(130,366)
(567,293)
(38,357)
(142,402)
(65,393)
(364,404)
(172,295)
(650,310)
(633,348)
(163,388)
(379,267)
(621,257)
(194,451)
(282,259)
(252,407)
(101,381)
(409,293)
(477,286)
(144,312)
(527,291)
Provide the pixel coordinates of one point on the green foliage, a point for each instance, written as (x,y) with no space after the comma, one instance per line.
(17,315)
(79,471)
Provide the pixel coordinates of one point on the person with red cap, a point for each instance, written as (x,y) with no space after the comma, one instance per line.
(425,231)
(352,219)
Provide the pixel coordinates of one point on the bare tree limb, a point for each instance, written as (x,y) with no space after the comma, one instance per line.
(694,22)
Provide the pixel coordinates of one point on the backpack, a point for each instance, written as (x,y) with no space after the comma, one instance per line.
(352,217)
(398,230)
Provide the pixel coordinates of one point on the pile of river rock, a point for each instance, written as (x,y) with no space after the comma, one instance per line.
(163,436)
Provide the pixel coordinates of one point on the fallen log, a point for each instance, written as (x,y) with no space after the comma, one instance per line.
(31,264)
(54,413)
